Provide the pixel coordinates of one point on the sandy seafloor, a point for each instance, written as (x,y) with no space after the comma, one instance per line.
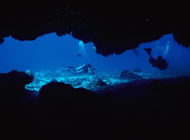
(91,82)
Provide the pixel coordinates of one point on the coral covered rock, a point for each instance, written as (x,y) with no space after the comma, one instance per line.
(98,82)
(129,75)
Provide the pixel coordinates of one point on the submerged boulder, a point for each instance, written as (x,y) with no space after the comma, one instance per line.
(99,82)
(12,84)
(96,82)
(129,75)
(61,93)
(62,102)
(56,89)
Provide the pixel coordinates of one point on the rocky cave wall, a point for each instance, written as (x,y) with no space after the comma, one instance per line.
(153,110)
(112,27)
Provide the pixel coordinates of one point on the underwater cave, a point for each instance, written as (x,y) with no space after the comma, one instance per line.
(92,70)
(50,57)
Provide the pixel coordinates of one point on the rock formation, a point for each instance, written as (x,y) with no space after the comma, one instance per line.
(113,29)
(12,84)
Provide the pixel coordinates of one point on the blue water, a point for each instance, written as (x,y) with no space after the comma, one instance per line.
(50,52)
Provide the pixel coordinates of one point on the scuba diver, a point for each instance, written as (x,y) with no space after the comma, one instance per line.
(83,69)
(81,52)
(160,63)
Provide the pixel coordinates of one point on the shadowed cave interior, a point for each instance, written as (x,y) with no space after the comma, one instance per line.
(136,87)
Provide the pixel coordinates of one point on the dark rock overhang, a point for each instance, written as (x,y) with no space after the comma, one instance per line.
(112,27)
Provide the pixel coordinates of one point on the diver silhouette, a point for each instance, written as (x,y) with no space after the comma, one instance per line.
(160,63)
(83,69)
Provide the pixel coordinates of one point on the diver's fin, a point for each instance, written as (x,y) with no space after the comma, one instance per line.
(70,69)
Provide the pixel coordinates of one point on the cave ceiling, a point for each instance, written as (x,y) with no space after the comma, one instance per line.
(112,27)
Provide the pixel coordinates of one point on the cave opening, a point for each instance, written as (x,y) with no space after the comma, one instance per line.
(50,57)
